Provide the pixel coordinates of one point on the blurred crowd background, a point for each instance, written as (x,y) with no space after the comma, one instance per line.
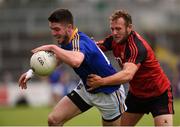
(24,26)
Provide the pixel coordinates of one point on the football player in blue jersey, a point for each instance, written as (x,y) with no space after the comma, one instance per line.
(81,53)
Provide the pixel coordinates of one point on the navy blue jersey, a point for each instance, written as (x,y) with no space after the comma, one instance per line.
(95,62)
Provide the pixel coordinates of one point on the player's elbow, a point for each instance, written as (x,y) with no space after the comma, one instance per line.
(129,70)
(77,60)
(76,64)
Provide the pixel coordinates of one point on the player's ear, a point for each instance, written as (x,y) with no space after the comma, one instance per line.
(129,28)
(69,28)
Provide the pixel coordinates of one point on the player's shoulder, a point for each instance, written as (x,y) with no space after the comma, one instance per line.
(83,35)
(135,41)
(136,37)
(83,38)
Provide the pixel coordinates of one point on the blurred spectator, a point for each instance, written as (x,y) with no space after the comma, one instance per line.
(167,70)
(7,78)
(177,87)
(22,100)
(54,80)
(67,85)
(151,38)
(60,84)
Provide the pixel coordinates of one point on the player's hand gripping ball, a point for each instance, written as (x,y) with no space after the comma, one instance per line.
(43,63)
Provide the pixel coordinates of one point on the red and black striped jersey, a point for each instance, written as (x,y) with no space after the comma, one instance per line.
(149,80)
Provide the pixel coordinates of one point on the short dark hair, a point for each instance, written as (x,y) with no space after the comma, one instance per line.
(61,16)
(121,14)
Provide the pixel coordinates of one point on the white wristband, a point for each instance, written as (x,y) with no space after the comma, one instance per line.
(29,74)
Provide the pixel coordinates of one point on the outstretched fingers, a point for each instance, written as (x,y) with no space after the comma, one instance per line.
(22,81)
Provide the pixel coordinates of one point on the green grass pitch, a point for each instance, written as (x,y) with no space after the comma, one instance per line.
(29,116)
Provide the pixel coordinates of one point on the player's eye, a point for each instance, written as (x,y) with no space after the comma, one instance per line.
(118,28)
(56,29)
(112,29)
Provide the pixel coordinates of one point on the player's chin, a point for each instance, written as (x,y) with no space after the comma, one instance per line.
(118,40)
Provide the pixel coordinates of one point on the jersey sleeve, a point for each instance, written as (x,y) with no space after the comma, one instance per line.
(137,51)
(106,44)
(86,46)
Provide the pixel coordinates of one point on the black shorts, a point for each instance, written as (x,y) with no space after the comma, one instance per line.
(78,101)
(159,105)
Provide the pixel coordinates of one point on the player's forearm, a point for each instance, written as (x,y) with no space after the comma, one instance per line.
(124,76)
(118,78)
(72,58)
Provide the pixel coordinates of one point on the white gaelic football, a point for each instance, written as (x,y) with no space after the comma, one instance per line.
(43,63)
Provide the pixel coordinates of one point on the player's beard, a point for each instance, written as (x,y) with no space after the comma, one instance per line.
(124,39)
(65,39)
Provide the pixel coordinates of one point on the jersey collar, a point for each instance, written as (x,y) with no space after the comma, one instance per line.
(73,34)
